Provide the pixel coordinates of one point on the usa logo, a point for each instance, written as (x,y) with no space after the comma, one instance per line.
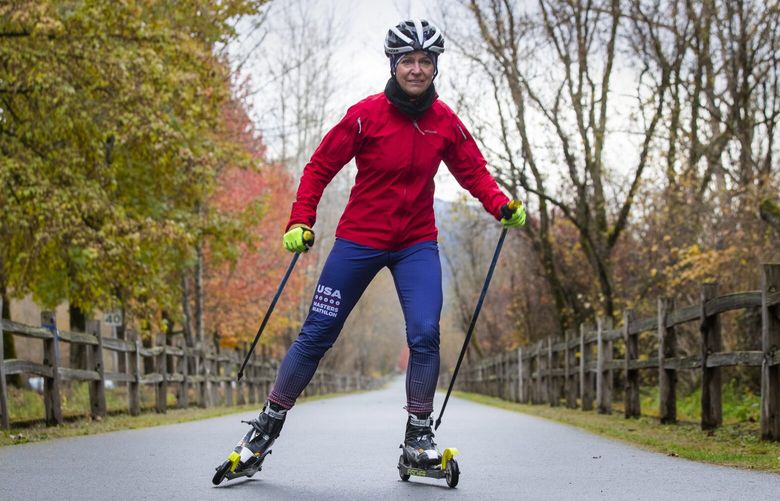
(329,291)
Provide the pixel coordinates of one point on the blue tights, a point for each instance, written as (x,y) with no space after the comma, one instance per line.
(349,269)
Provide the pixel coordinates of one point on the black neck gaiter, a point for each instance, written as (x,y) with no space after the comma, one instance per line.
(414,108)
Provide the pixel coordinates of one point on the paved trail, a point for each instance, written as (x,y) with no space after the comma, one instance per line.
(346,448)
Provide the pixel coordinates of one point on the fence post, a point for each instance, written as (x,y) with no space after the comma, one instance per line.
(208,394)
(259,385)
(121,356)
(161,393)
(504,387)
(493,390)
(97,389)
(770,340)
(229,383)
(184,364)
(134,369)
(5,421)
(540,396)
(51,359)
(216,384)
(265,388)
(586,383)
(667,378)
(552,389)
(631,340)
(254,377)
(260,392)
(711,342)
(241,387)
(200,370)
(520,380)
(497,370)
(603,375)
(570,381)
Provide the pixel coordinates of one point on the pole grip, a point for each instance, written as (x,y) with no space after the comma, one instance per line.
(308,238)
(508,210)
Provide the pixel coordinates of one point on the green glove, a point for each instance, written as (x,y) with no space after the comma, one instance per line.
(298,238)
(513,214)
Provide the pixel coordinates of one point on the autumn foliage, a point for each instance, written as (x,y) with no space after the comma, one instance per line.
(239,287)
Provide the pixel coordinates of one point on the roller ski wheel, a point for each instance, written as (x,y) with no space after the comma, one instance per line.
(222,471)
(452,473)
(234,468)
(448,469)
(247,457)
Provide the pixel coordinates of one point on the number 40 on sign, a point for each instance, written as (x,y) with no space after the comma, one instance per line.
(113,318)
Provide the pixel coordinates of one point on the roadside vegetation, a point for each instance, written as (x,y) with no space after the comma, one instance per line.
(78,422)
(737,443)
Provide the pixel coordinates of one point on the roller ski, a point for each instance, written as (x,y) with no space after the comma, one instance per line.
(247,457)
(421,458)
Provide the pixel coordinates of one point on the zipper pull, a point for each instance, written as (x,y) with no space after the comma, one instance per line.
(417,126)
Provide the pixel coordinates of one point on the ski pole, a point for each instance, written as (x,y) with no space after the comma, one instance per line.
(308,240)
(506,212)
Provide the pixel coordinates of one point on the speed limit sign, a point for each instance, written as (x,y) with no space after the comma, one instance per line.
(113,318)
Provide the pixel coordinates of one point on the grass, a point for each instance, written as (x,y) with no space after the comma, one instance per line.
(740,405)
(735,444)
(27,408)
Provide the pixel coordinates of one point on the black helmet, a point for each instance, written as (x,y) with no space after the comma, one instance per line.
(412,35)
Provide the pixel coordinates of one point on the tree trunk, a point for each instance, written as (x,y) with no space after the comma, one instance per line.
(78,352)
(186,310)
(199,296)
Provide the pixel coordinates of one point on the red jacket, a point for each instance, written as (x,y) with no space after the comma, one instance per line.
(391,204)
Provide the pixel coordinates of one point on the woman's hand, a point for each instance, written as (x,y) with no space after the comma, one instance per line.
(513,214)
(298,238)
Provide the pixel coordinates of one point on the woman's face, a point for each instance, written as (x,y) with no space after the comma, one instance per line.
(414,73)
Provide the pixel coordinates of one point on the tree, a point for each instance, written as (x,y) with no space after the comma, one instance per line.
(515,310)
(242,281)
(722,132)
(558,115)
(107,114)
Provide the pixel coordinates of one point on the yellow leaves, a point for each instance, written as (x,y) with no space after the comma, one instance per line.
(48,26)
(697,265)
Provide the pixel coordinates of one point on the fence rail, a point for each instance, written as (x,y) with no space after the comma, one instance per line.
(578,369)
(210,372)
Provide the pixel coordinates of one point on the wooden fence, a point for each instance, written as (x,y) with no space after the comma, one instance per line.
(578,368)
(209,372)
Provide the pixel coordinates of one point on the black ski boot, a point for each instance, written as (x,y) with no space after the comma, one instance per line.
(250,452)
(419,448)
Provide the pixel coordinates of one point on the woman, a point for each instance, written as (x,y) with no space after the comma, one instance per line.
(398,139)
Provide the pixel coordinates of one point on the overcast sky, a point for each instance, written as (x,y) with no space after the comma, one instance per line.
(361,66)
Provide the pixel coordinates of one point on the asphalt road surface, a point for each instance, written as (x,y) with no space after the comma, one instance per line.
(347,448)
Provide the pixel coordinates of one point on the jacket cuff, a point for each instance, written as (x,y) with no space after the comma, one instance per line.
(497,212)
(296,224)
